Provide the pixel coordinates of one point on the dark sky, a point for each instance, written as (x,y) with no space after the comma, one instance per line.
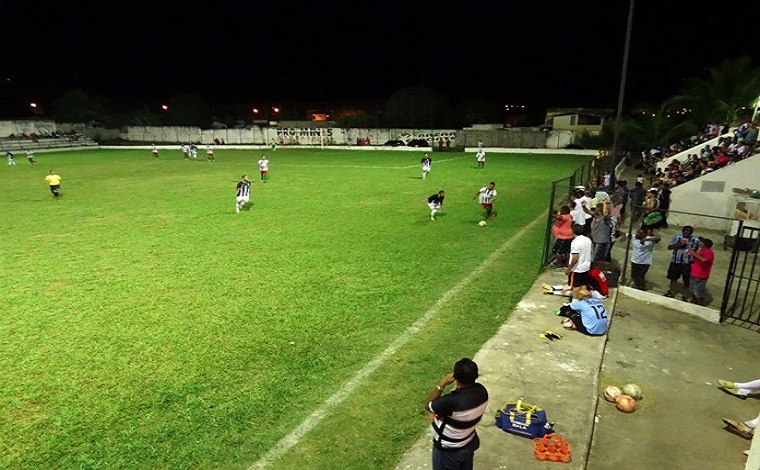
(546,53)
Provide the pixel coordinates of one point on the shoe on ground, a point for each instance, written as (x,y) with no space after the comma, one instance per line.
(726,384)
(547,288)
(734,391)
(739,428)
(669,294)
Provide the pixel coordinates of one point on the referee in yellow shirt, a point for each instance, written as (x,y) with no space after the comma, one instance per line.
(54,181)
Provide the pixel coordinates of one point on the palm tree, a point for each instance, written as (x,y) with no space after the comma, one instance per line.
(727,95)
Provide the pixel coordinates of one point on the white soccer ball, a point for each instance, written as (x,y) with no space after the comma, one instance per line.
(482,223)
(633,390)
(611,393)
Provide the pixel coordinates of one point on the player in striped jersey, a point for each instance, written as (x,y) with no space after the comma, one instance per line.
(243,193)
(486,196)
(425,163)
(453,417)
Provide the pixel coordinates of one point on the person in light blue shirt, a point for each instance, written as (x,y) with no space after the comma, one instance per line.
(585,314)
(642,248)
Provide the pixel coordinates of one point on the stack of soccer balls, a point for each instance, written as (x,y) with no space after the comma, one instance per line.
(625,399)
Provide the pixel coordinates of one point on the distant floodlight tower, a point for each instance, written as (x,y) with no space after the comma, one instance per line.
(165,107)
(256,111)
(33,105)
(621,93)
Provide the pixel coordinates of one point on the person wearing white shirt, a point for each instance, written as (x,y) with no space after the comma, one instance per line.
(264,168)
(580,260)
(480,157)
(486,197)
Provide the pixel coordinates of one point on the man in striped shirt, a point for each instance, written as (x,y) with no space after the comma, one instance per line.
(486,196)
(453,417)
(243,193)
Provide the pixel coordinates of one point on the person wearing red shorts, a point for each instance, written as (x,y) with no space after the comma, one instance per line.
(486,197)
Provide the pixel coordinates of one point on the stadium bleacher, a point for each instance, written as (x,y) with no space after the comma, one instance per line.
(8,144)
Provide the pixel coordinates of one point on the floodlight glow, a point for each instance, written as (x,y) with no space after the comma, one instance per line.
(33,105)
(255,110)
(276,110)
(165,107)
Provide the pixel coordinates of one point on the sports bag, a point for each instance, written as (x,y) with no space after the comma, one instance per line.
(522,419)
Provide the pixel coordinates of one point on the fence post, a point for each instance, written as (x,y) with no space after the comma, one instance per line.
(730,273)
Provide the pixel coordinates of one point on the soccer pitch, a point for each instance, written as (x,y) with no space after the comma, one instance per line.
(147,325)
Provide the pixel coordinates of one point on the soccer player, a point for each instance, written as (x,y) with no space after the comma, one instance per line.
(154,149)
(186,151)
(274,145)
(425,163)
(30,157)
(435,203)
(264,168)
(9,157)
(480,157)
(210,153)
(54,181)
(486,196)
(243,193)
(194,151)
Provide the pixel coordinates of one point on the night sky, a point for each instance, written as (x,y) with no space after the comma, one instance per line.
(543,53)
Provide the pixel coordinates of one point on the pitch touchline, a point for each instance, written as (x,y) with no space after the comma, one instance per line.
(289,441)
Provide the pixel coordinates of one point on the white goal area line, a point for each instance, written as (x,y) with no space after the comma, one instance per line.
(295,436)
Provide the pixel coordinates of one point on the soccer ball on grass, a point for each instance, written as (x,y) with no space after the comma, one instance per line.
(482,223)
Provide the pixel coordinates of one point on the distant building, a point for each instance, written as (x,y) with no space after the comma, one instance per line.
(577,119)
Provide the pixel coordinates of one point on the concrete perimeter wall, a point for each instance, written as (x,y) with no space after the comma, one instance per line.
(713,194)
(521,137)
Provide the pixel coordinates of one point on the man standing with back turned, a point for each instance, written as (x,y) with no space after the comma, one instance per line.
(453,417)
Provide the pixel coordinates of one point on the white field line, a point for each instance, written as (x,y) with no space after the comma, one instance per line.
(366,166)
(289,441)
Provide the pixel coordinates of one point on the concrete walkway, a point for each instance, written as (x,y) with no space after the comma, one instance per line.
(675,357)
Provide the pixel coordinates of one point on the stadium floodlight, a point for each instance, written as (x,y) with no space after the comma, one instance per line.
(255,110)
(276,109)
(165,107)
(33,105)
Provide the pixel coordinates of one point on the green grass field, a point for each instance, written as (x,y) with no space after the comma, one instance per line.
(145,324)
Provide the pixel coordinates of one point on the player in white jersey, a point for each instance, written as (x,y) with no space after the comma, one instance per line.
(264,168)
(486,196)
(194,151)
(480,157)
(154,150)
(243,189)
(186,151)
(425,164)
(30,157)
(210,153)
(9,157)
